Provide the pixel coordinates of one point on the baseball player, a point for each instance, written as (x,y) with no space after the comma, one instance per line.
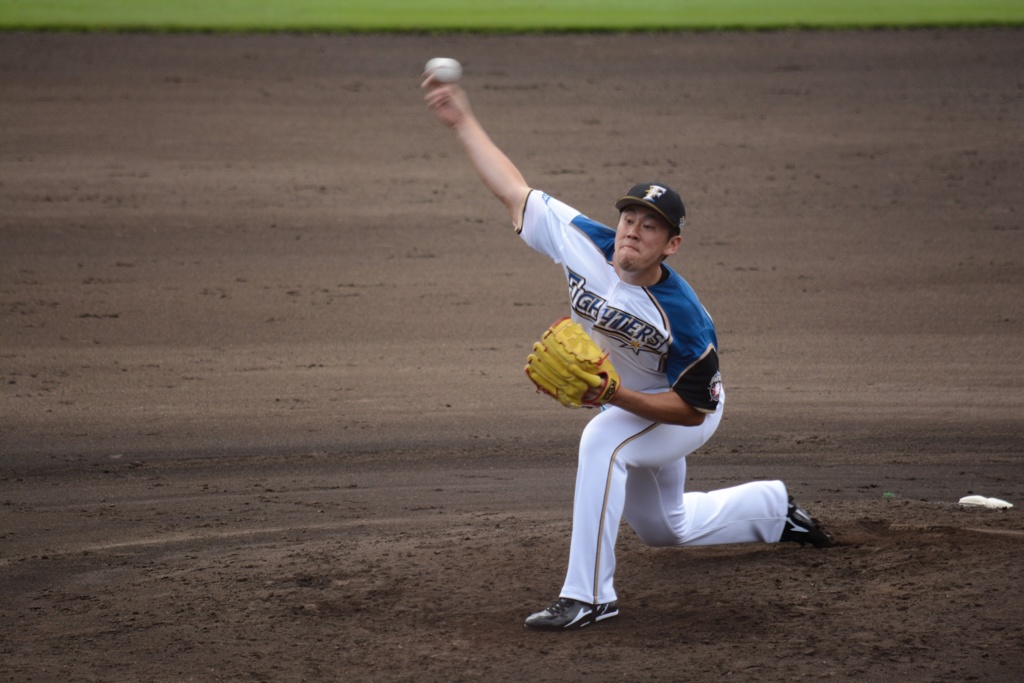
(668,397)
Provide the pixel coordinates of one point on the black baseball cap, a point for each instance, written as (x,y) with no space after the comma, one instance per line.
(659,197)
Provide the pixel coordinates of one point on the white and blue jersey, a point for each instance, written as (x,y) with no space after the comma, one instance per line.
(658,337)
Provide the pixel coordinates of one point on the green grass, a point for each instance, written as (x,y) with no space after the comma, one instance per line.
(498,15)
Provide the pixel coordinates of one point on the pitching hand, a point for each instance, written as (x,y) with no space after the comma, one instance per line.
(448,102)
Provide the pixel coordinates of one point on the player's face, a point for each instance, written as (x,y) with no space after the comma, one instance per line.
(642,240)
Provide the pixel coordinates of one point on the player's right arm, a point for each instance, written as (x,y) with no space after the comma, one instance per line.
(451,106)
(665,406)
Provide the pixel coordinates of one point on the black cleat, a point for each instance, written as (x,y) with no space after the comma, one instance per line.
(802,528)
(564,614)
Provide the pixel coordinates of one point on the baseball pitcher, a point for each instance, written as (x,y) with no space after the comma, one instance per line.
(639,346)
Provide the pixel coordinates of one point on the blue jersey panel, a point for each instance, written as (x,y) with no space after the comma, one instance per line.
(602,236)
(691,327)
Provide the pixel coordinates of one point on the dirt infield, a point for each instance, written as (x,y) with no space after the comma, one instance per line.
(262,333)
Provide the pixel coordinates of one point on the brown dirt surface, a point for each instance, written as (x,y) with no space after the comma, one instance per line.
(264,416)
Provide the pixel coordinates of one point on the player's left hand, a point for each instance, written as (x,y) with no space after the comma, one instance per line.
(567,365)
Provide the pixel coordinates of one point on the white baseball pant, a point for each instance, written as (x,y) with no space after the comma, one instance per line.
(632,468)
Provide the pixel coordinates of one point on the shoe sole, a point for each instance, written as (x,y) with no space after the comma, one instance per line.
(575,626)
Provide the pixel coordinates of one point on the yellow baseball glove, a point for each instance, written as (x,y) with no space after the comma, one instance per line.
(568,365)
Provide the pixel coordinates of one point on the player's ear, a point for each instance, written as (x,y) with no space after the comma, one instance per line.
(673,245)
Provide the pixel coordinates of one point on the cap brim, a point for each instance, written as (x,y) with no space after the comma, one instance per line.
(635,201)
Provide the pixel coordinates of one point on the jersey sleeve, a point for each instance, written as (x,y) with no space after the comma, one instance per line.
(692,363)
(700,384)
(545,220)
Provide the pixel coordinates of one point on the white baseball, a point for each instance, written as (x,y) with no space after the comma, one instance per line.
(444,69)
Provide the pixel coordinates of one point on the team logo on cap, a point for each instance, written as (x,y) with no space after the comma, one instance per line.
(653,192)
